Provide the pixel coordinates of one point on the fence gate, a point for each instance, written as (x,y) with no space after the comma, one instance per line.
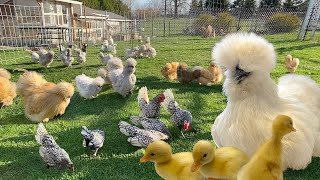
(311,21)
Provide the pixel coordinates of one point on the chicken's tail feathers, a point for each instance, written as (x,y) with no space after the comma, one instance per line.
(102,72)
(84,131)
(115,63)
(297,61)
(20,69)
(28,81)
(123,127)
(143,94)
(101,55)
(175,65)
(41,131)
(135,120)
(5,74)
(136,141)
(169,98)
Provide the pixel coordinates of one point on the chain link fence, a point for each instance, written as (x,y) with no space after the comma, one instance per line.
(262,21)
(22,26)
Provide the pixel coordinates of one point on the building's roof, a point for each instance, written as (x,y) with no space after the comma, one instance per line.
(96,13)
(34,2)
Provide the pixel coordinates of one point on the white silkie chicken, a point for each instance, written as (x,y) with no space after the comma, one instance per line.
(122,78)
(89,87)
(254,100)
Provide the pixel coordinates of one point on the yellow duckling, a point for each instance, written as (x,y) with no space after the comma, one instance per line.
(170,166)
(221,163)
(266,163)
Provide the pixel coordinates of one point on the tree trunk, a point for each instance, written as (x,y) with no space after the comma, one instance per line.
(175,8)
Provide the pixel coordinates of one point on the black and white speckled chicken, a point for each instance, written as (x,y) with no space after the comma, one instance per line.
(93,139)
(140,137)
(51,152)
(150,124)
(180,117)
(149,109)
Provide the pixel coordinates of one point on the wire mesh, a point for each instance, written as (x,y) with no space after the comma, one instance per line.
(22,26)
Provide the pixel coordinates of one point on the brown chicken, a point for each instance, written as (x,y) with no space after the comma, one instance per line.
(209,76)
(184,74)
(43,100)
(8,88)
(169,71)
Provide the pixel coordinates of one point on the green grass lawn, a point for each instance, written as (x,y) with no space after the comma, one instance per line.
(19,157)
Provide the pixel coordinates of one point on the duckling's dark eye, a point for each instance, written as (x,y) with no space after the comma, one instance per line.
(205,155)
(152,154)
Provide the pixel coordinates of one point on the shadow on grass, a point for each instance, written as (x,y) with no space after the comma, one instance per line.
(154,82)
(292,48)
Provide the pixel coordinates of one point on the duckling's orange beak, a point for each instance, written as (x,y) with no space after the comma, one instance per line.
(293,129)
(144,159)
(195,166)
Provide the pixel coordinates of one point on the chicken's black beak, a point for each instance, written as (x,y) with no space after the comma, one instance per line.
(240,74)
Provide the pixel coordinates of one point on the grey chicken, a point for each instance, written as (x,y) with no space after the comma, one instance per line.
(35,53)
(67,59)
(63,52)
(149,109)
(46,59)
(180,117)
(51,153)
(150,124)
(81,53)
(103,72)
(105,58)
(93,139)
(140,137)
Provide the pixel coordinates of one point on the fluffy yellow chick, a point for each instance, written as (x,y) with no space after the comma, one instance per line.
(170,166)
(221,163)
(265,164)
(291,63)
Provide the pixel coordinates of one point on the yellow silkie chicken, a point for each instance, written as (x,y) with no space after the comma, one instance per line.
(221,163)
(266,163)
(291,64)
(170,166)
(7,88)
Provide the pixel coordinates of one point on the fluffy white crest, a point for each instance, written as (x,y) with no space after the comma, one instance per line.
(248,50)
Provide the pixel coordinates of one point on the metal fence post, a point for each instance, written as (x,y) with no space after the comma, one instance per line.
(152,29)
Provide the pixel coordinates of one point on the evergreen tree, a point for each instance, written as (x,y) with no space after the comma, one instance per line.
(220,4)
(200,3)
(115,6)
(270,3)
(292,3)
(244,3)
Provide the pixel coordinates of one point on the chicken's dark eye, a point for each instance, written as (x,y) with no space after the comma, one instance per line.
(205,155)
(152,154)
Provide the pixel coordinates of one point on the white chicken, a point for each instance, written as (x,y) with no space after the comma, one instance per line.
(89,87)
(254,100)
(122,78)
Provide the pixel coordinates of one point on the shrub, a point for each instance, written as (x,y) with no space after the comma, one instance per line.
(282,22)
(224,21)
(202,20)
